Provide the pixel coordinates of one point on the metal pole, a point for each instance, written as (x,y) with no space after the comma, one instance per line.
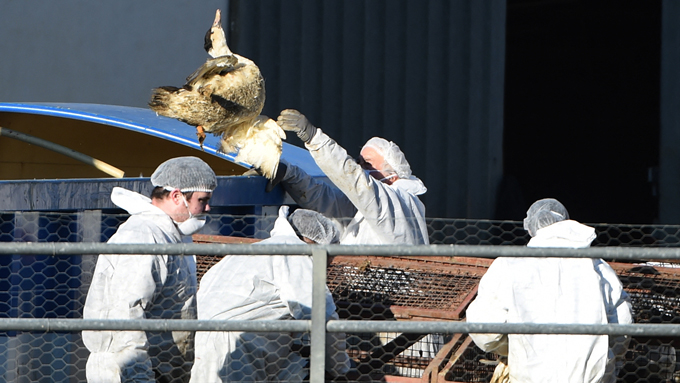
(317,359)
(75,325)
(351,326)
(63,248)
(646,329)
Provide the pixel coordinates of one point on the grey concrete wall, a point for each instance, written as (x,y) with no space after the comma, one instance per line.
(106,52)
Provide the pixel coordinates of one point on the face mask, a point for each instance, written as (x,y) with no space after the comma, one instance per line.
(186,204)
(387,178)
(368,173)
(191,225)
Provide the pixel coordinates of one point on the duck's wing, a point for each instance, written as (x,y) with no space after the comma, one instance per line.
(212,67)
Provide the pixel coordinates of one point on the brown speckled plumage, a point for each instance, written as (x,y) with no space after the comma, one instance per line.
(225,97)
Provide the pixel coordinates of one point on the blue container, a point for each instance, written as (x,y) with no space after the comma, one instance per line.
(74,206)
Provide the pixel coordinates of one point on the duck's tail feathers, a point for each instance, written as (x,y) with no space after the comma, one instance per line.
(179,103)
(161,98)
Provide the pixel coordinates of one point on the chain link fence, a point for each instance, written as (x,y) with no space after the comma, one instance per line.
(432,289)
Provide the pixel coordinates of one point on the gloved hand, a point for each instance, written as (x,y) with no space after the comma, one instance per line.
(294,121)
(280,172)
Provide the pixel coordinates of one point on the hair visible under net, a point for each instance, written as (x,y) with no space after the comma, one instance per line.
(394,157)
(188,174)
(314,226)
(544,213)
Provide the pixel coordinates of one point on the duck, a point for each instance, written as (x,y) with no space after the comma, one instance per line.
(225,97)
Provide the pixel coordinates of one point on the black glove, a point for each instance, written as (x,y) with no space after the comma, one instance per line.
(294,121)
(280,173)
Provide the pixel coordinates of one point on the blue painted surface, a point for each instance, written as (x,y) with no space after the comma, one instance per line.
(94,194)
(49,210)
(146,121)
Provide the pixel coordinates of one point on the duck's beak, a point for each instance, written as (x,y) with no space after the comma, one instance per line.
(218,19)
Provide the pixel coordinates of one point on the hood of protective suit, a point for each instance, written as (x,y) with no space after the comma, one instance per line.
(567,234)
(282,232)
(133,202)
(137,204)
(412,185)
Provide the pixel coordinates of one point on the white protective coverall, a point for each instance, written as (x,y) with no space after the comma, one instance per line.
(260,288)
(141,287)
(383,214)
(553,290)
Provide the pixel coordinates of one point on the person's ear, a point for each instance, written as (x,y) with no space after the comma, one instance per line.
(176,196)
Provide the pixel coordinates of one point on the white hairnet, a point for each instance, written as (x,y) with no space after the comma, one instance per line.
(188,174)
(544,213)
(394,157)
(314,226)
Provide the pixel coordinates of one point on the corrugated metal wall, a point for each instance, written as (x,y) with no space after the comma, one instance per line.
(427,75)
(669,156)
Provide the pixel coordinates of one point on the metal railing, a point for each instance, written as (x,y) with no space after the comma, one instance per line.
(318,325)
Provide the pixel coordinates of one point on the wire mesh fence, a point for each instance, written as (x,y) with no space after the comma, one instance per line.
(375,288)
(98,226)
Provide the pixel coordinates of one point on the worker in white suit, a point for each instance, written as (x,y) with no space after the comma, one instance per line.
(374,198)
(149,286)
(278,287)
(553,290)
(378,191)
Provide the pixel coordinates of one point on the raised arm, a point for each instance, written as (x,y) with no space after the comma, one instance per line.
(379,205)
(315,194)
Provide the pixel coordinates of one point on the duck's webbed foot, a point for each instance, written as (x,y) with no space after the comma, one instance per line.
(200,133)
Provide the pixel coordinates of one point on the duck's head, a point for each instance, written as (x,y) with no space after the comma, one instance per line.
(215,39)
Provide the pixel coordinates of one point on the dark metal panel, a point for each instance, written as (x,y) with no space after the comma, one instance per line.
(415,128)
(351,72)
(437,108)
(394,70)
(669,155)
(290,49)
(309,68)
(496,12)
(485,160)
(459,110)
(374,61)
(270,35)
(422,74)
(330,113)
